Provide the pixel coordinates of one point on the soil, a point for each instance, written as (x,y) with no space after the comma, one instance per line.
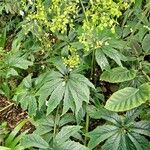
(13,114)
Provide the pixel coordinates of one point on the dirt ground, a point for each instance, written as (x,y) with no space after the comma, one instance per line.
(13,114)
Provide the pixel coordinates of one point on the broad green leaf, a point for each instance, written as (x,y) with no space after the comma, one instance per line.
(98,113)
(77,98)
(141,127)
(55,98)
(81,78)
(113,143)
(46,90)
(145,44)
(113,54)
(67,118)
(71,145)
(118,142)
(67,103)
(34,140)
(118,74)
(101,59)
(11,72)
(65,133)
(18,62)
(27,81)
(100,134)
(128,98)
(139,141)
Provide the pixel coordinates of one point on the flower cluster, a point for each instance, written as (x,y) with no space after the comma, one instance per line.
(73,59)
(101,15)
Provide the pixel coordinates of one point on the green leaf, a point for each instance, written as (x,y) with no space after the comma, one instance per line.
(55,98)
(18,62)
(71,145)
(101,59)
(113,54)
(4,148)
(11,72)
(141,127)
(34,140)
(118,74)
(145,44)
(139,141)
(98,113)
(128,98)
(81,78)
(66,132)
(100,134)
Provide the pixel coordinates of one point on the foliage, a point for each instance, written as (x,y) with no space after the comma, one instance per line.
(12,140)
(57,57)
(122,132)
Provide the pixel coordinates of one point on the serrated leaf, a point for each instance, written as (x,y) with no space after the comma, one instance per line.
(117,75)
(65,133)
(82,78)
(128,98)
(55,98)
(98,113)
(34,140)
(100,134)
(113,54)
(139,141)
(101,59)
(71,145)
(142,127)
(18,62)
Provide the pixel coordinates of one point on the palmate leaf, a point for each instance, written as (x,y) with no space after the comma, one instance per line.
(62,140)
(113,54)
(25,97)
(126,135)
(128,98)
(18,61)
(118,74)
(102,53)
(118,142)
(102,113)
(141,127)
(140,142)
(100,134)
(73,89)
(34,140)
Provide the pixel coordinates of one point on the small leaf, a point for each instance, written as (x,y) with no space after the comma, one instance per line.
(118,74)
(145,44)
(101,59)
(34,140)
(66,132)
(113,54)
(128,98)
